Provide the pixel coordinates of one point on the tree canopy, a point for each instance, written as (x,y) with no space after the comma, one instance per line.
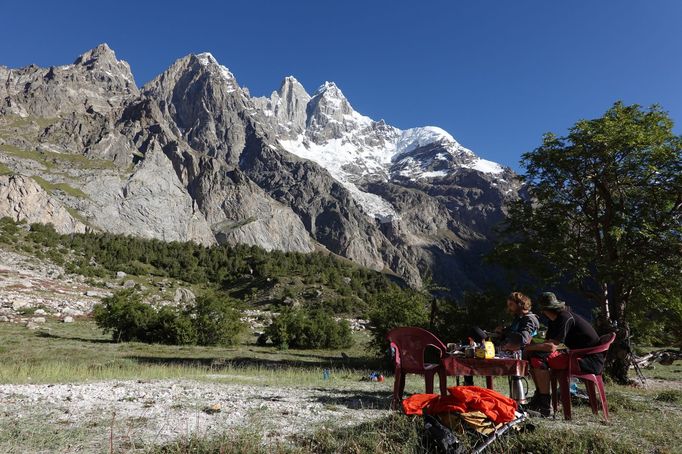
(602,214)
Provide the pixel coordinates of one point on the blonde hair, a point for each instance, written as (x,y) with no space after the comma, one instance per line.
(522,300)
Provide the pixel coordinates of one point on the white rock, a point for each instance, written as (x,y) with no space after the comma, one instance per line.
(17,305)
(120,274)
(38,320)
(72,312)
(40,312)
(129,284)
(68,319)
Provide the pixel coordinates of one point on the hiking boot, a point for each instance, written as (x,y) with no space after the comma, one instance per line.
(541,403)
(533,400)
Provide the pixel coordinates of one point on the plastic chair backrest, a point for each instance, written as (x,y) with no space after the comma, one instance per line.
(605,342)
(410,344)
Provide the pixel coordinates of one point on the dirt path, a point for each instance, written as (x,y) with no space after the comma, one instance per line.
(156,412)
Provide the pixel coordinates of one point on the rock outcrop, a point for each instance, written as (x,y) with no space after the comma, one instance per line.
(22,199)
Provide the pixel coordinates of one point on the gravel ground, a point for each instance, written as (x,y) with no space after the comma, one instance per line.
(156,412)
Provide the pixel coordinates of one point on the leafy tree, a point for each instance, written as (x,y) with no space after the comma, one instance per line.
(455,320)
(297,328)
(216,321)
(396,308)
(603,216)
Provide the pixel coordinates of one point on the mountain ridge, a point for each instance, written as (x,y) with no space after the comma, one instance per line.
(192,156)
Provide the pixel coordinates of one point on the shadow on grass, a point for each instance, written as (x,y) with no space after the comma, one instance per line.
(356,400)
(80,339)
(245,362)
(367,362)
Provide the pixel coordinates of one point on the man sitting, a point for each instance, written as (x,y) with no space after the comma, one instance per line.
(564,329)
(525,323)
(517,335)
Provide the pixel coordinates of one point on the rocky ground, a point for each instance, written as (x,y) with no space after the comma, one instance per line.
(141,413)
(157,412)
(31,290)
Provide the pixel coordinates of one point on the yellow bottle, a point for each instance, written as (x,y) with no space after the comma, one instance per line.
(486,351)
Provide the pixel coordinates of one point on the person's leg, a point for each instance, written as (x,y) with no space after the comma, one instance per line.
(542,400)
(477,335)
(541,379)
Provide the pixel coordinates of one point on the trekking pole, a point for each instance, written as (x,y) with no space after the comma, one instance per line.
(498,433)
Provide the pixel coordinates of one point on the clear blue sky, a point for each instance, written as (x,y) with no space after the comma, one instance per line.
(495,74)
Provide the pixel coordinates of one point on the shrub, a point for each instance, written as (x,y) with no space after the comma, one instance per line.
(211,321)
(216,321)
(126,317)
(173,327)
(44,234)
(317,329)
(397,308)
(456,319)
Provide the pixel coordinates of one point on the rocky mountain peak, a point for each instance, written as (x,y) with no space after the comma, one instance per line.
(286,108)
(95,82)
(208,61)
(101,53)
(330,115)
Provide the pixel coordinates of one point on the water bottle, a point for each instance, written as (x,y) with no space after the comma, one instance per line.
(516,389)
(574,386)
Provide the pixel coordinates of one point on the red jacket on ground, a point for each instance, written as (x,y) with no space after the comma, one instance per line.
(464,399)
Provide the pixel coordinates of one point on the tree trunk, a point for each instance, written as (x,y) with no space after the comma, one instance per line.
(618,357)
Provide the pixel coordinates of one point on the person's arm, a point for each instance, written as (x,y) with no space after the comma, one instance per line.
(528,326)
(548,345)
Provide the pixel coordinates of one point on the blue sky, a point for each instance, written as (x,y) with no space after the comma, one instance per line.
(495,74)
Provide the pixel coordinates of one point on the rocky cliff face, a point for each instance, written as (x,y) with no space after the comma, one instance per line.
(192,156)
(22,199)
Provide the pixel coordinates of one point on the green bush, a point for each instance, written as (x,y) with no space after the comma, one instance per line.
(394,309)
(44,234)
(317,329)
(216,321)
(126,317)
(211,321)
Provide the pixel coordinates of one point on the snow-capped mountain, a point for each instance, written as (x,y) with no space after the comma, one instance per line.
(193,156)
(356,149)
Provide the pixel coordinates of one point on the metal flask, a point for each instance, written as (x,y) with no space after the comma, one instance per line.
(516,389)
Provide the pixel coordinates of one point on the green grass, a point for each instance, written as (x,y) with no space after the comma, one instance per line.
(79,352)
(65,188)
(51,159)
(4,170)
(15,121)
(642,420)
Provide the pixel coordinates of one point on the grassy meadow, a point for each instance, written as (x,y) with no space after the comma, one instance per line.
(643,420)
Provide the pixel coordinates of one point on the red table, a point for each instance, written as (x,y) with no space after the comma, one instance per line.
(459,365)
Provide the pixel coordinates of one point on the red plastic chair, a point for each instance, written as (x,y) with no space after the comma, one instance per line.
(409,345)
(563,377)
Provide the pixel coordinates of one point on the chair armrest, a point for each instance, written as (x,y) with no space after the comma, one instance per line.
(437,347)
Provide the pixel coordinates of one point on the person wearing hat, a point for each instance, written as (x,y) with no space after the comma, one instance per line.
(564,330)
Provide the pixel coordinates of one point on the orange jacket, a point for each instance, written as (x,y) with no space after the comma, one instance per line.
(464,399)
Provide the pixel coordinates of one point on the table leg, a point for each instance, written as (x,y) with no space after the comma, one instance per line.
(489,382)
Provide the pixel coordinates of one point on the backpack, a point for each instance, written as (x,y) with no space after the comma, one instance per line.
(439,439)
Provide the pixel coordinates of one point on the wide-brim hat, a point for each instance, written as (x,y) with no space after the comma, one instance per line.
(549,302)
